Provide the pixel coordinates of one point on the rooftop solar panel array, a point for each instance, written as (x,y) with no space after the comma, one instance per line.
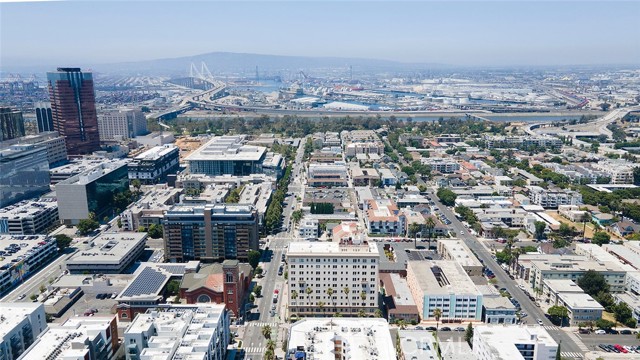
(173,269)
(148,282)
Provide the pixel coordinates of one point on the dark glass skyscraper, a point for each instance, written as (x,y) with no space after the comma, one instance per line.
(44,117)
(73,106)
(11,124)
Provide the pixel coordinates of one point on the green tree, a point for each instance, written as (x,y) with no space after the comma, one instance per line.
(584,219)
(446,196)
(558,313)
(173,287)
(296,216)
(540,227)
(155,231)
(266,331)
(437,313)
(592,282)
(85,226)
(254,258)
(33,297)
(252,298)
(605,324)
(257,290)
(601,238)
(468,335)
(234,196)
(622,312)
(63,241)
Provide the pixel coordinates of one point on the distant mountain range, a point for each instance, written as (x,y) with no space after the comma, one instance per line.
(241,62)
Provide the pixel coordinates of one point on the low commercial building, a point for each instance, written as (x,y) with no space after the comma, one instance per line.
(581,307)
(23,255)
(87,338)
(227,155)
(458,251)
(358,272)
(147,289)
(498,310)
(20,325)
(327,175)
(492,342)
(91,192)
(417,344)
(226,283)
(211,232)
(383,217)
(571,212)
(108,253)
(309,228)
(364,177)
(397,300)
(387,177)
(444,285)
(340,338)
(153,165)
(29,217)
(258,195)
(179,332)
(346,231)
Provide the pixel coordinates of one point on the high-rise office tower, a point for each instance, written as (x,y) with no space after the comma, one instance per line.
(73,105)
(44,116)
(11,124)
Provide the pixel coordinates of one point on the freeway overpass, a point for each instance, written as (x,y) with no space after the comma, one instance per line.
(598,126)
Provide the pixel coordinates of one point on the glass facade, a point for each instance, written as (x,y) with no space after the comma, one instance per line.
(24,173)
(100,193)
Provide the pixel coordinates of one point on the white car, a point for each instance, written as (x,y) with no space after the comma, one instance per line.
(540,322)
(22,297)
(600,332)
(461,232)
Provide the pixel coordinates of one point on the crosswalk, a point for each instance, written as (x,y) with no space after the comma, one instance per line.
(571,354)
(551,327)
(253,350)
(261,324)
(578,341)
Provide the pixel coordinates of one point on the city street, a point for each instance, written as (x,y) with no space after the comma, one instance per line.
(571,344)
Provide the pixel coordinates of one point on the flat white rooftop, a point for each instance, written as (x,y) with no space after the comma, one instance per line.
(501,339)
(227,148)
(331,249)
(440,277)
(108,248)
(13,313)
(156,152)
(362,338)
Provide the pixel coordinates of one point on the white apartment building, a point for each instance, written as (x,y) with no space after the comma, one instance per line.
(572,268)
(354,149)
(383,217)
(632,282)
(445,166)
(327,174)
(116,125)
(513,342)
(309,228)
(86,338)
(188,332)
(444,285)
(551,199)
(341,276)
(581,307)
(20,325)
(620,172)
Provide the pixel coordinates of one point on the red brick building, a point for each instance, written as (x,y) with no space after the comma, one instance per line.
(225,283)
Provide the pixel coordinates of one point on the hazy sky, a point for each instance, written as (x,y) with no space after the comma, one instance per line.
(457,33)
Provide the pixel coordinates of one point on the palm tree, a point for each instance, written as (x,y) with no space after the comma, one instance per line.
(321,305)
(294,296)
(430,225)
(330,293)
(363,295)
(347,291)
(361,313)
(266,331)
(308,291)
(402,323)
(584,219)
(378,313)
(437,313)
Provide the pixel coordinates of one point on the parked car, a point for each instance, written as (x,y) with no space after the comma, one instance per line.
(459,328)
(419,328)
(626,332)
(599,332)
(614,332)
(445,328)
